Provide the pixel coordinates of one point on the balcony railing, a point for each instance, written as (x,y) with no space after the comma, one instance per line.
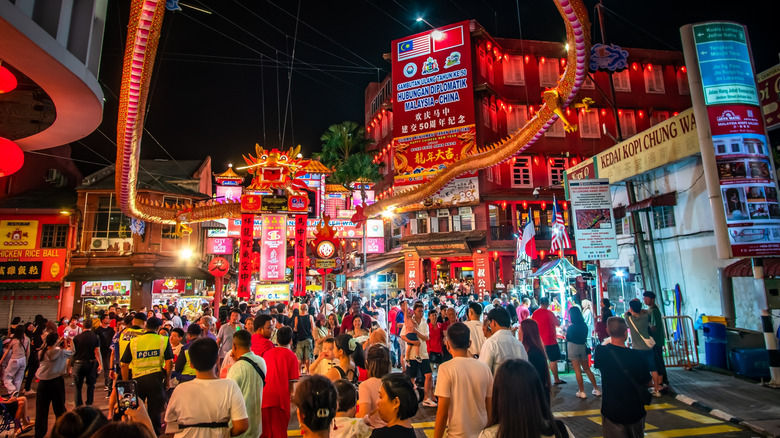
(502,232)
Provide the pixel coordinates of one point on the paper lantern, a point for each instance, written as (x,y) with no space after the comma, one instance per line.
(7,80)
(13,157)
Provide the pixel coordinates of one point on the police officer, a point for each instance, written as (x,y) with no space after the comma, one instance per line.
(133,327)
(184,372)
(150,357)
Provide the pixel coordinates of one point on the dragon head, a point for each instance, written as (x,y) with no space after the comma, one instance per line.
(273,169)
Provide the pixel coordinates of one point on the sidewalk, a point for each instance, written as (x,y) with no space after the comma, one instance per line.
(730,398)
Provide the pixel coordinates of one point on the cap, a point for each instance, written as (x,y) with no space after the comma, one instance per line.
(153,323)
(140,316)
(649,294)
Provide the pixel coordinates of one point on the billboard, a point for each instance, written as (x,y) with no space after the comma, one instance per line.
(273,247)
(594,223)
(769,93)
(272,292)
(738,165)
(229,193)
(219,245)
(433,101)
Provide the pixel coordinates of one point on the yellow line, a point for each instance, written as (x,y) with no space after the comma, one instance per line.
(424,424)
(703,419)
(597,420)
(566,414)
(696,431)
(295,432)
(429,433)
(658,407)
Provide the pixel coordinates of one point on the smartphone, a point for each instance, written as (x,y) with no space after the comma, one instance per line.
(126,395)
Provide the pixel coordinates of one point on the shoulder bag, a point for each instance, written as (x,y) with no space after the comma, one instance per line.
(649,342)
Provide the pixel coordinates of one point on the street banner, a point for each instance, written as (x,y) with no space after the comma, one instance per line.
(299,274)
(245,256)
(483,280)
(433,102)
(413,271)
(273,247)
(739,171)
(594,223)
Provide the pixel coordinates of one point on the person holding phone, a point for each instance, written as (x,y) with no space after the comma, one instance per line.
(51,385)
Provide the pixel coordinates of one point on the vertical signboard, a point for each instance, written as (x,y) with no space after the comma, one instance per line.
(299,274)
(273,247)
(412,271)
(482,274)
(594,223)
(743,176)
(245,260)
(433,101)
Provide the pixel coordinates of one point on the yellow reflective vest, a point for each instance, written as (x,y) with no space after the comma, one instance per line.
(124,341)
(148,351)
(188,369)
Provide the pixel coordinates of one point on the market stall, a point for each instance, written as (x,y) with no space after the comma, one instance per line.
(556,281)
(99,295)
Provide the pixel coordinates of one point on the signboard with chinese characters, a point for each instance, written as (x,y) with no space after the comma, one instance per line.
(245,256)
(482,273)
(229,193)
(272,292)
(273,247)
(216,245)
(459,191)
(594,223)
(412,271)
(433,102)
(108,288)
(769,93)
(21,257)
(299,262)
(18,234)
(21,270)
(745,173)
(169,286)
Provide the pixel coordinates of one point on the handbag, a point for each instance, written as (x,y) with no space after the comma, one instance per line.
(649,342)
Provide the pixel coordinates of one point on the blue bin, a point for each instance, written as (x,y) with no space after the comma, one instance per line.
(750,362)
(715,344)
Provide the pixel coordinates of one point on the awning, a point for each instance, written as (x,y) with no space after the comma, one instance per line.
(562,263)
(665,200)
(212,225)
(744,268)
(136,273)
(377,266)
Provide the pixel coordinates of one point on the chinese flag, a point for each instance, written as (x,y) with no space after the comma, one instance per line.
(447,39)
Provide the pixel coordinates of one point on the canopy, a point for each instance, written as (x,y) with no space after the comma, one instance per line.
(562,263)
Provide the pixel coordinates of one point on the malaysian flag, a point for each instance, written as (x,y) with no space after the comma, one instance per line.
(560,239)
(414,47)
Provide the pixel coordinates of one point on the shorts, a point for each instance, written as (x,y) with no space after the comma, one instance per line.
(11,407)
(436,358)
(303,349)
(649,358)
(576,351)
(413,368)
(553,352)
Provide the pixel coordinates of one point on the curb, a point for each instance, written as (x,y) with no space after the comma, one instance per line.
(718,413)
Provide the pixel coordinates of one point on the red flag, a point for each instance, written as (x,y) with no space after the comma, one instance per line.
(528,241)
(447,39)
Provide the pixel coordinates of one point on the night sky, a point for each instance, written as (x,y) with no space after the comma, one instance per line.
(220,83)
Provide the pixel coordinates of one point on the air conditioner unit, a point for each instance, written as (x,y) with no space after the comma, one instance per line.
(53,175)
(99,243)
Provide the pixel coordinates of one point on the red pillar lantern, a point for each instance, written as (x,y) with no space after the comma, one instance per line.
(13,157)
(7,80)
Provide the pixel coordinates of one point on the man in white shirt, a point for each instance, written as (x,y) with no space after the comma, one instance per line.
(464,387)
(475,328)
(249,373)
(175,319)
(417,326)
(203,407)
(501,345)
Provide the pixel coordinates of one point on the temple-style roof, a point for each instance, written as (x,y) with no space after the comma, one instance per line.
(335,188)
(315,166)
(228,174)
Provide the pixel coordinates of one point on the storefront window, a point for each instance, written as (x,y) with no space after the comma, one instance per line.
(54,235)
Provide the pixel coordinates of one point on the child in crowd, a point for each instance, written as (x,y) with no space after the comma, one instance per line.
(412,351)
(325,360)
(345,424)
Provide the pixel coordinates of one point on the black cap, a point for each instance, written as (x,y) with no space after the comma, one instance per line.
(649,294)
(153,323)
(140,316)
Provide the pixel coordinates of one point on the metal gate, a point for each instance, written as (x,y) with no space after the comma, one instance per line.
(28,303)
(681,342)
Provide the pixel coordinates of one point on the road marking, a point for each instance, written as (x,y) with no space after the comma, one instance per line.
(703,419)
(424,424)
(597,420)
(696,431)
(566,414)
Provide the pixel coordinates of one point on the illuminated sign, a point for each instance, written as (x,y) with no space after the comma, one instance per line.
(108,288)
(272,292)
(273,247)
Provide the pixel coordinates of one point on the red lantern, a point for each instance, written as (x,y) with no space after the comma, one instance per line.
(635,66)
(13,157)
(544,205)
(527,59)
(542,60)
(495,255)
(7,80)
(541,254)
(525,205)
(683,69)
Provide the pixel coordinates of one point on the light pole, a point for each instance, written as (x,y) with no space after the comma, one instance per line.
(620,275)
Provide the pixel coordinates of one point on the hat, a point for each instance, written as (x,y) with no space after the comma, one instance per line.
(649,294)
(140,316)
(153,323)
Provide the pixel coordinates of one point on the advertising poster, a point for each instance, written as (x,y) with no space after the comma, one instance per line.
(433,102)
(219,245)
(273,247)
(458,192)
(744,168)
(272,292)
(594,223)
(105,288)
(169,286)
(375,245)
(245,254)
(299,272)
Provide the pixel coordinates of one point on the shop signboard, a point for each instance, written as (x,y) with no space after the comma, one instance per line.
(745,176)
(458,192)
(219,245)
(273,247)
(433,101)
(21,257)
(375,245)
(273,203)
(412,271)
(482,273)
(21,270)
(299,274)
(375,228)
(169,286)
(594,223)
(769,94)
(106,288)
(221,232)
(272,292)
(229,193)
(18,234)
(245,256)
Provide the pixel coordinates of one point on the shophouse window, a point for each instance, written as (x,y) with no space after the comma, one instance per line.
(682,82)
(557,166)
(497,174)
(54,235)
(494,117)
(654,79)
(548,72)
(516,118)
(521,173)
(627,123)
(490,64)
(622,81)
(556,130)
(514,70)
(619,226)
(482,62)
(663,217)
(658,117)
(109,221)
(486,112)
(589,124)
(463,222)
(385,124)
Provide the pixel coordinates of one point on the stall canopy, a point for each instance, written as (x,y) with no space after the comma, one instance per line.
(379,265)
(558,263)
(136,273)
(744,268)
(665,200)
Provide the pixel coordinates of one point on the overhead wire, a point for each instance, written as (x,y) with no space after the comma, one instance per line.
(388,14)
(634,27)
(289,76)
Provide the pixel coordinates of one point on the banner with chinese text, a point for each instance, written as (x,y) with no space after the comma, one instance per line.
(273,247)
(299,272)
(245,260)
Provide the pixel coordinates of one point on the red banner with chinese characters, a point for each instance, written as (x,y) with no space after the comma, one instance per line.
(483,280)
(299,285)
(273,247)
(413,272)
(245,260)
(433,102)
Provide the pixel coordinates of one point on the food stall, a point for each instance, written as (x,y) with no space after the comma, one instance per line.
(99,295)
(556,281)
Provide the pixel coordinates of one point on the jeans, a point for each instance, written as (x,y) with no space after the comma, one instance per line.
(14,374)
(151,389)
(32,367)
(49,391)
(614,430)
(85,370)
(106,369)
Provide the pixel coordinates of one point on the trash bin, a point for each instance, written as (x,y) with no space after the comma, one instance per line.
(750,362)
(715,344)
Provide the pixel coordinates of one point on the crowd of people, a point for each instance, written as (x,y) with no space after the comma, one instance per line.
(487,365)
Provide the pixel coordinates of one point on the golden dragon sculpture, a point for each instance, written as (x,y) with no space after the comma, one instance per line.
(143,37)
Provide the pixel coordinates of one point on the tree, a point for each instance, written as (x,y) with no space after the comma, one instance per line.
(358,168)
(344,148)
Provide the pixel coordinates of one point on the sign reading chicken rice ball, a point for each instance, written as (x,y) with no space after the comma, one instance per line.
(433,102)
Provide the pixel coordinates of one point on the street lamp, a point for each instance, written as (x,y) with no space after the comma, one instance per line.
(620,275)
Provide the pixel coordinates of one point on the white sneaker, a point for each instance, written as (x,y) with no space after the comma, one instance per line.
(596,392)
(429,403)
(581,395)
